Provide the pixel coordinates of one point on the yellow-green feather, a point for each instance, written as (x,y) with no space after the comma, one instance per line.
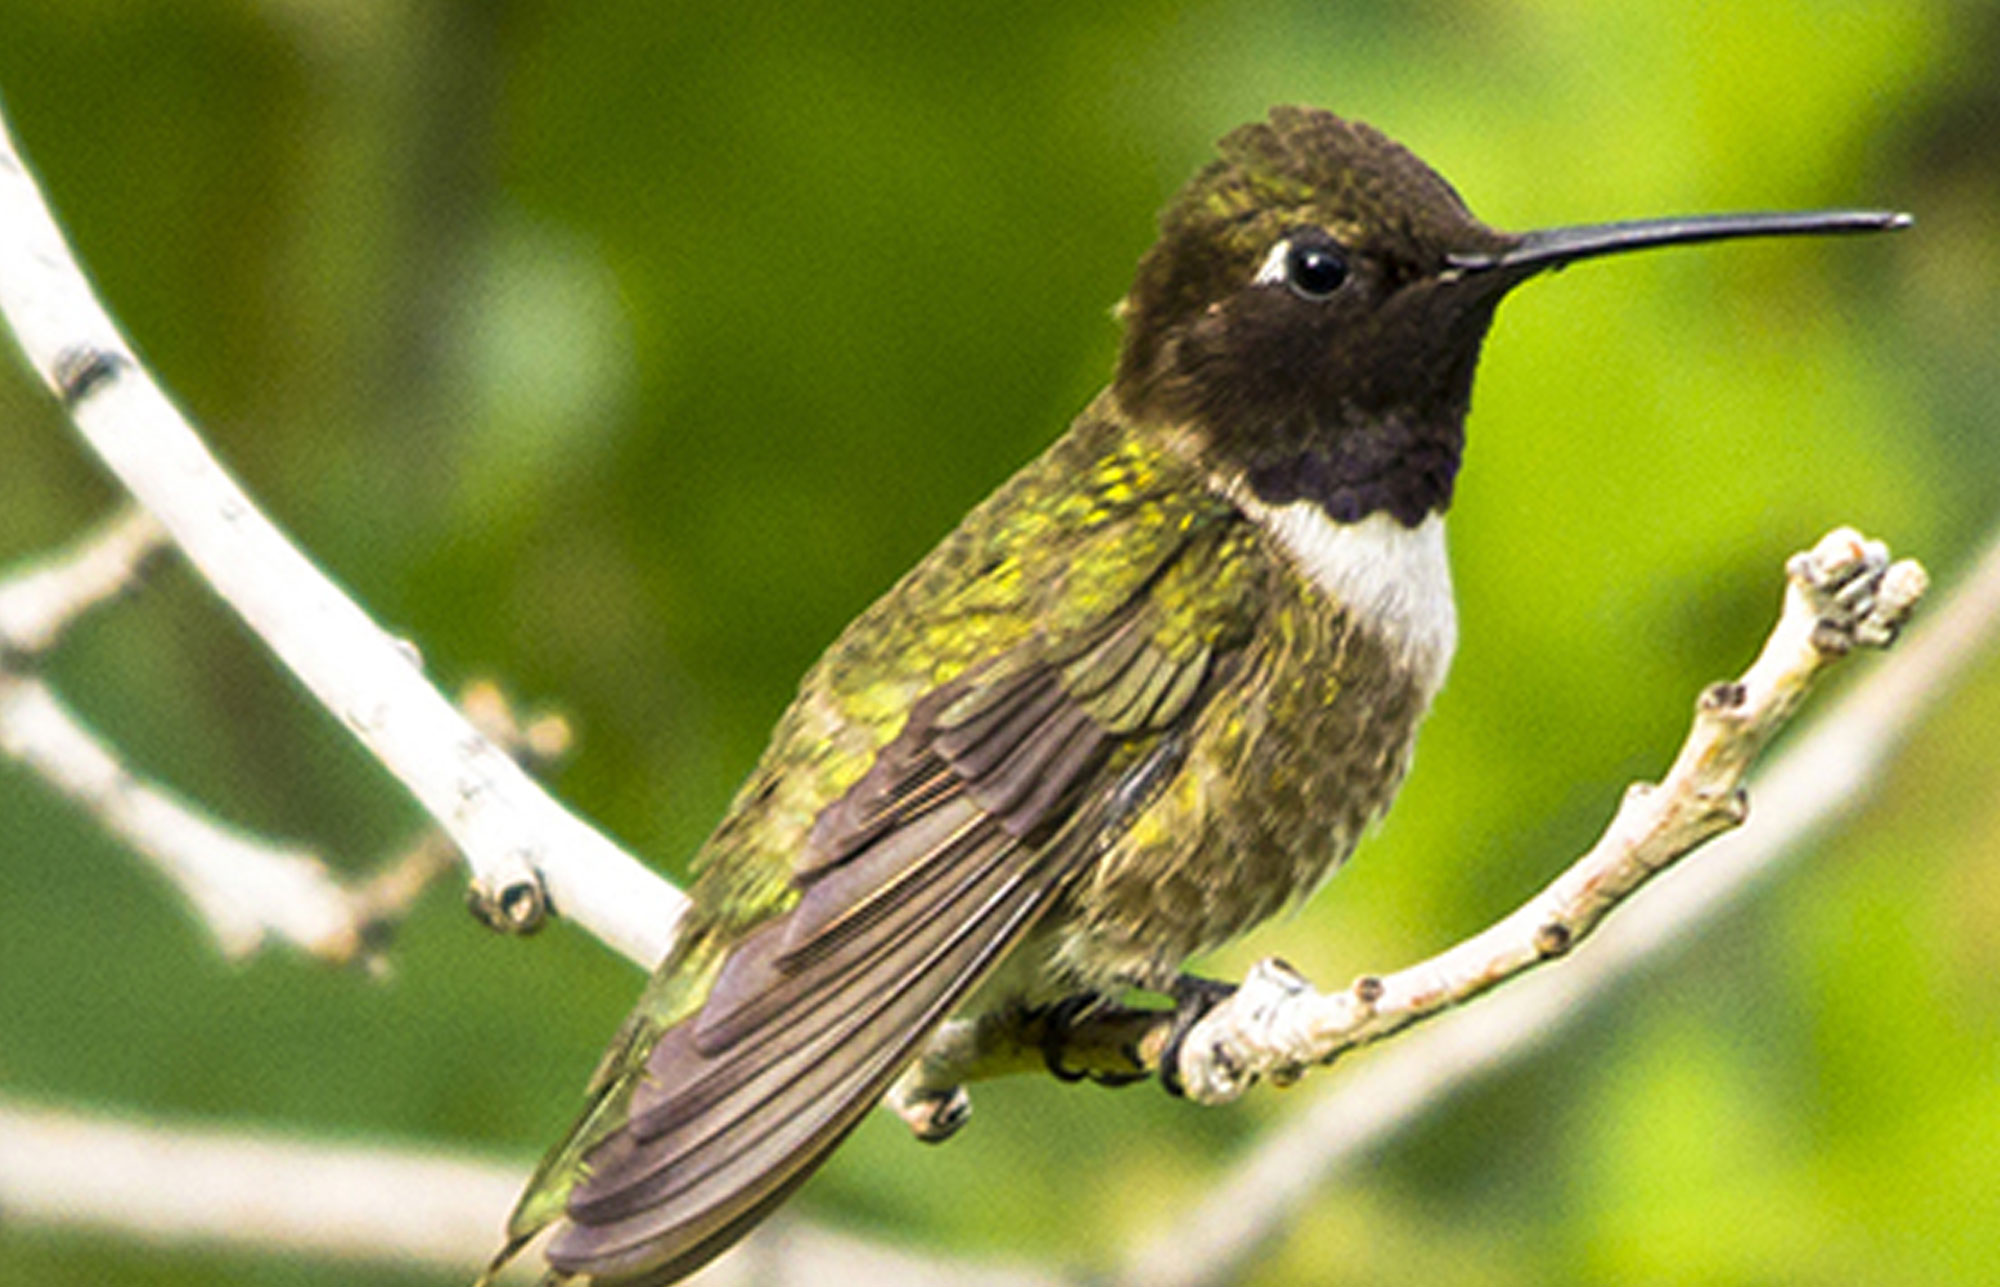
(1066,543)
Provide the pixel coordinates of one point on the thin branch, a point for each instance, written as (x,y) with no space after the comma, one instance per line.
(526,852)
(41,601)
(1841,594)
(260,1191)
(1820,779)
(247,891)
(244,889)
(375,1204)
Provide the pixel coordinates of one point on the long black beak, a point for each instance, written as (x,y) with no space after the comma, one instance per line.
(1555,247)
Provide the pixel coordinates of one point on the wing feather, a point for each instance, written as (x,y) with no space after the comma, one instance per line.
(739,1127)
(852,897)
(1000,788)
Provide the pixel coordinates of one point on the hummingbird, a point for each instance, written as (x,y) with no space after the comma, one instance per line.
(1148,694)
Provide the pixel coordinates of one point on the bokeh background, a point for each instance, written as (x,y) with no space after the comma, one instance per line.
(624,351)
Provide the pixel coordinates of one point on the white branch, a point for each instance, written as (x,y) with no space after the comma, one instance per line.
(243,888)
(1842,593)
(376,1204)
(524,849)
(40,601)
(252,1190)
(1819,780)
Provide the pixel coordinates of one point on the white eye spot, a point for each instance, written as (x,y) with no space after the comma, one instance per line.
(1273,268)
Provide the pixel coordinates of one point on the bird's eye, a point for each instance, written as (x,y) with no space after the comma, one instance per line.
(1314,270)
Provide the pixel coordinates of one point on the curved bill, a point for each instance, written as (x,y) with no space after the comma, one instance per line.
(1555,247)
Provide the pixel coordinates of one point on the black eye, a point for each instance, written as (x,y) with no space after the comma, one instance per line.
(1315,270)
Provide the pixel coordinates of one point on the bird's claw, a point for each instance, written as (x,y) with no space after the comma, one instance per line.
(1058,1022)
(935,1117)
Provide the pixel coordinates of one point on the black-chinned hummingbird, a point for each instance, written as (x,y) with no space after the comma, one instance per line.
(1146,695)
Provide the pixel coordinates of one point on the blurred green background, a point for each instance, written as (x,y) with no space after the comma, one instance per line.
(624,351)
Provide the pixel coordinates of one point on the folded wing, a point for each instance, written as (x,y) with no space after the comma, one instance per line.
(1000,788)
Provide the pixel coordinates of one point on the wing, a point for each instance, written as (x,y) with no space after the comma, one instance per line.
(907,877)
(914,885)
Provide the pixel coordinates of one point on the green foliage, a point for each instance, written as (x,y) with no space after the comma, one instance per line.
(626,351)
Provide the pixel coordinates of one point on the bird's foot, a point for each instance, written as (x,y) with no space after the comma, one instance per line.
(933,1116)
(1059,1021)
(1193,997)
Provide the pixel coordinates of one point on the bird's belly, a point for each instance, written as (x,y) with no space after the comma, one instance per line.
(1287,765)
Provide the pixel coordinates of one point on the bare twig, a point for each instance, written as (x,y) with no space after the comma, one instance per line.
(1821,778)
(42,600)
(244,889)
(1841,594)
(258,1190)
(293,1196)
(524,849)
(358,1203)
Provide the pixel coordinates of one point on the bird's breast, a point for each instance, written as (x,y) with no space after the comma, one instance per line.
(1392,580)
(1296,752)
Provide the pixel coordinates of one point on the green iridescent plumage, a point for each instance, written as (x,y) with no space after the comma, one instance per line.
(1071,539)
(1106,564)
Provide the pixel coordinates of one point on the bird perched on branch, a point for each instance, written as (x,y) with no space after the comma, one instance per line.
(1149,693)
